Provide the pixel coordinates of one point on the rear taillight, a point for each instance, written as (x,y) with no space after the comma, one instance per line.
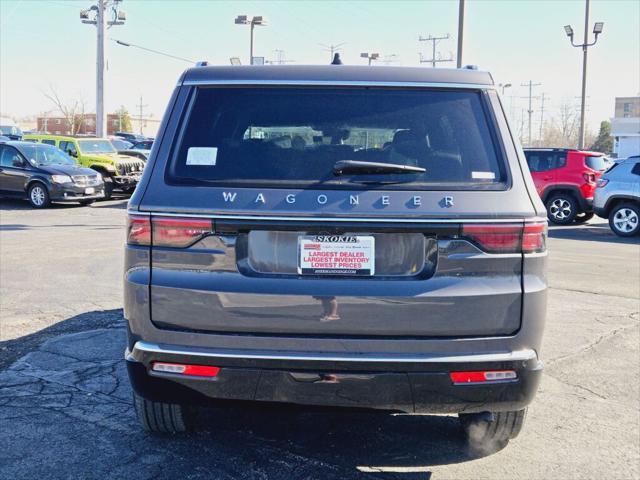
(138,230)
(508,237)
(179,232)
(176,232)
(602,182)
(589,177)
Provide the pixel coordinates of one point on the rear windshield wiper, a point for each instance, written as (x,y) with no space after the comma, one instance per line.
(357,167)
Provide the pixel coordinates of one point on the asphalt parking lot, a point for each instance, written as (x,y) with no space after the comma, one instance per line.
(65,401)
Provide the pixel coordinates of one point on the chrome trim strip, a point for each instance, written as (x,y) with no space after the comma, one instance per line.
(517,356)
(338,219)
(335,83)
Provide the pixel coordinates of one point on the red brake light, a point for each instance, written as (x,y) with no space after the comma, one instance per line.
(182,369)
(483,376)
(602,182)
(508,237)
(179,232)
(138,230)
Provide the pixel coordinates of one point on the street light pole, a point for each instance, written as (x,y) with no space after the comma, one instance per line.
(597,30)
(100,114)
(100,22)
(256,20)
(460,31)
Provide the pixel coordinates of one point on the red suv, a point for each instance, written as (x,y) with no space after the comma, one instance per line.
(566,180)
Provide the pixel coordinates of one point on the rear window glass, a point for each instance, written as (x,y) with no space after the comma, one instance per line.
(597,163)
(284,137)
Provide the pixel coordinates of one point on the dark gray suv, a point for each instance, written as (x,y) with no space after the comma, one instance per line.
(336,235)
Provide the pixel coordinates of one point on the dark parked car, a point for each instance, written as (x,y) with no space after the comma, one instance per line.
(130,137)
(44,174)
(336,235)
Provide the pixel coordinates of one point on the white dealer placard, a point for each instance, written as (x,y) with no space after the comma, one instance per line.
(336,255)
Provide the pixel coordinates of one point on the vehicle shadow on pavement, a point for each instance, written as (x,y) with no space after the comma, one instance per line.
(590,233)
(68,383)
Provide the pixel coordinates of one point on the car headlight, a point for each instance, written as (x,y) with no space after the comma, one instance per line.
(110,168)
(99,178)
(61,179)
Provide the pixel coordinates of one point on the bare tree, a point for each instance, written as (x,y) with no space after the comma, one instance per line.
(73,112)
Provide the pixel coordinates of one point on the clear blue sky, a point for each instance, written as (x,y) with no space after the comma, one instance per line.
(43,43)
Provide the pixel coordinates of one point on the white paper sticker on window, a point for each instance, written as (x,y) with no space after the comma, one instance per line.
(483,175)
(202,156)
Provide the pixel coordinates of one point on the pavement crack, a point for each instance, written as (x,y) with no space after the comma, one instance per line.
(590,292)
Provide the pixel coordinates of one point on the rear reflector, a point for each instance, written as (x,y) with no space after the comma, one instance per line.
(182,369)
(483,376)
(508,237)
(166,231)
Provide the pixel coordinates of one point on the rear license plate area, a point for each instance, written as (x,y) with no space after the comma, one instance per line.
(348,255)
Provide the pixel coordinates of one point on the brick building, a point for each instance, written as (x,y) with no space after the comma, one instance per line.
(60,125)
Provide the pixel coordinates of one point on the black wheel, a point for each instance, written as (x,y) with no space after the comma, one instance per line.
(492,430)
(160,417)
(584,217)
(39,195)
(562,208)
(86,202)
(624,219)
(108,188)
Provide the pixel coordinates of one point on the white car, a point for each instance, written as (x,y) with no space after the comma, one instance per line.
(617,197)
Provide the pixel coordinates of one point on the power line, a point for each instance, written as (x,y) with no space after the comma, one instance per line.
(127,44)
(433,60)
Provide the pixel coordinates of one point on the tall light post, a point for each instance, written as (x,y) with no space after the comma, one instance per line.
(95,15)
(597,30)
(244,20)
(503,86)
(370,56)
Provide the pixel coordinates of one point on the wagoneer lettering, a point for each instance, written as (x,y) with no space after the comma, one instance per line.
(325,243)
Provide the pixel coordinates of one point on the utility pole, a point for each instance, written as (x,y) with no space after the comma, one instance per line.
(460,31)
(542,99)
(95,15)
(332,49)
(530,110)
(256,20)
(141,108)
(597,30)
(434,41)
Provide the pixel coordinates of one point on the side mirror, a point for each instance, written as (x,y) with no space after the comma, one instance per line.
(17,162)
(73,153)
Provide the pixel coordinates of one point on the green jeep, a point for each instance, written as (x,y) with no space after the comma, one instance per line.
(120,172)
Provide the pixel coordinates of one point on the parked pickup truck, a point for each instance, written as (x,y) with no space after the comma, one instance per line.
(120,172)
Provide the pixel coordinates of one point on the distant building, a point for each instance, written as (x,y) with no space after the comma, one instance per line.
(61,126)
(625,127)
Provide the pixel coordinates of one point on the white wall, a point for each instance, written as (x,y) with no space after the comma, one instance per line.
(627,146)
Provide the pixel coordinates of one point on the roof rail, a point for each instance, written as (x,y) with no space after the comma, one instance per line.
(202,63)
(470,67)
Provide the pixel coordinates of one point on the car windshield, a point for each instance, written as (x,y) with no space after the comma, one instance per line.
(286,137)
(10,130)
(96,146)
(40,154)
(597,163)
(121,144)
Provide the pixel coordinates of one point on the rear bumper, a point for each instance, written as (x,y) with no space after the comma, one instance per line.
(413,384)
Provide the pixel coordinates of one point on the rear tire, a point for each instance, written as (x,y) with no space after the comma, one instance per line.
(39,195)
(160,417)
(584,217)
(624,220)
(562,208)
(492,431)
